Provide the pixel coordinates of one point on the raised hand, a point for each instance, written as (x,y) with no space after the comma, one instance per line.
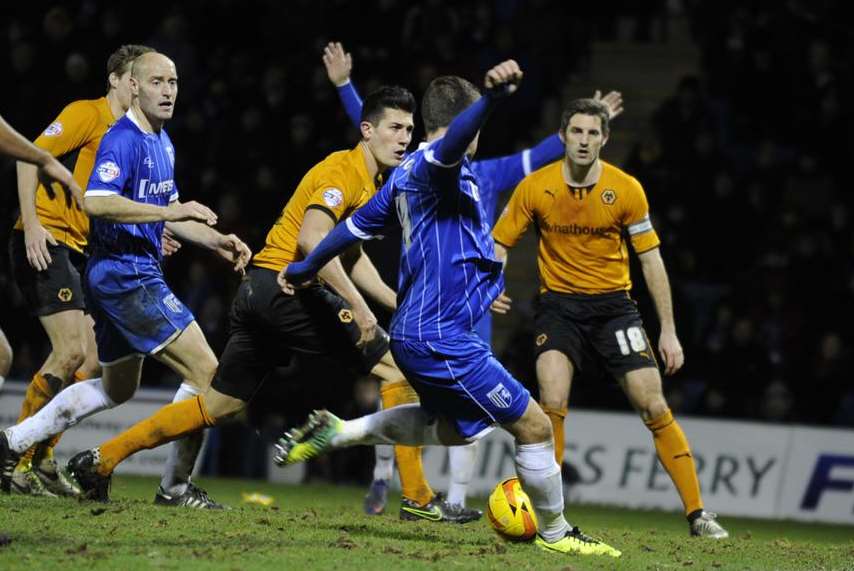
(338,63)
(504,78)
(613,100)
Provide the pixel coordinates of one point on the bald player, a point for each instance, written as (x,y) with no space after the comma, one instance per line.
(585,211)
(130,196)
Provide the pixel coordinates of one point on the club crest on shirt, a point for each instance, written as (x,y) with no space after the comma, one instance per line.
(148,162)
(170,152)
(500,396)
(333,197)
(108,171)
(64,294)
(609,196)
(53,130)
(172,303)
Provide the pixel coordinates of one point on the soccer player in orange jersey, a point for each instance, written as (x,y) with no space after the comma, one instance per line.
(585,211)
(48,169)
(333,320)
(46,252)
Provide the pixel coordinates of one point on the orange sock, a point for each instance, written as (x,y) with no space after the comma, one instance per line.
(675,454)
(557,416)
(39,392)
(171,422)
(413,483)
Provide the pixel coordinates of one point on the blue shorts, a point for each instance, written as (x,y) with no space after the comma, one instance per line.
(135,312)
(461,380)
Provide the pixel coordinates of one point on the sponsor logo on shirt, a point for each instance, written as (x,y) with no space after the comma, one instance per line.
(149,188)
(333,197)
(108,171)
(53,130)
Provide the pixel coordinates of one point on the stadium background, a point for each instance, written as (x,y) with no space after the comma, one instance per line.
(740,136)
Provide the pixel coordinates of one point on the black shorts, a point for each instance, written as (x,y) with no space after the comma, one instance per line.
(605,330)
(268,328)
(58,288)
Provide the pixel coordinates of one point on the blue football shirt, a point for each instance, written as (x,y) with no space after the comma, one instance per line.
(448,273)
(139,166)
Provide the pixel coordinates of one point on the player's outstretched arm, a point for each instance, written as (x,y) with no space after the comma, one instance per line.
(120,209)
(49,169)
(228,246)
(339,66)
(300,274)
(659,289)
(503,173)
(500,81)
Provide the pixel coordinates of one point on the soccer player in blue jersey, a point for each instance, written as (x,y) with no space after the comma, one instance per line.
(130,196)
(495,176)
(448,278)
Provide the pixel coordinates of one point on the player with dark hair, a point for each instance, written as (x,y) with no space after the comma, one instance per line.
(448,278)
(268,328)
(585,211)
(46,250)
(131,195)
(495,176)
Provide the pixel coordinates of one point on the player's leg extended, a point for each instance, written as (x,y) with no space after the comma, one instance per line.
(643,388)
(554,378)
(540,477)
(395,391)
(190,356)
(75,403)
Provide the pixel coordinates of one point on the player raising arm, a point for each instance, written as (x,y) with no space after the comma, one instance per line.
(448,278)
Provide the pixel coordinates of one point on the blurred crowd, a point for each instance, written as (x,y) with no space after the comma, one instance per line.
(745,164)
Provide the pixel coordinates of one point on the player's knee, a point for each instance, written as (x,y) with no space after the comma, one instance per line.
(220,406)
(534,426)
(654,408)
(68,359)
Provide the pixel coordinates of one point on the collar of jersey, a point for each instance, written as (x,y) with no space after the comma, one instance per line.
(133,119)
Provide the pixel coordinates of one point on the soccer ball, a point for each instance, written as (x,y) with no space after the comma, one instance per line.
(510,512)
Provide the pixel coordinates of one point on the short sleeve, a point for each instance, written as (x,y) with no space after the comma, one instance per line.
(516,217)
(335,194)
(72,129)
(637,221)
(113,164)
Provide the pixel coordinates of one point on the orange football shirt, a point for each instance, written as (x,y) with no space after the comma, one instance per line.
(583,232)
(338,185)
(73,137)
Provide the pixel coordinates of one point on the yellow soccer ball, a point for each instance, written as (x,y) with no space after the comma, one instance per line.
(510,512)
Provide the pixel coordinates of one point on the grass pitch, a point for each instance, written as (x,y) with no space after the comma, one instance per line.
(322,527)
